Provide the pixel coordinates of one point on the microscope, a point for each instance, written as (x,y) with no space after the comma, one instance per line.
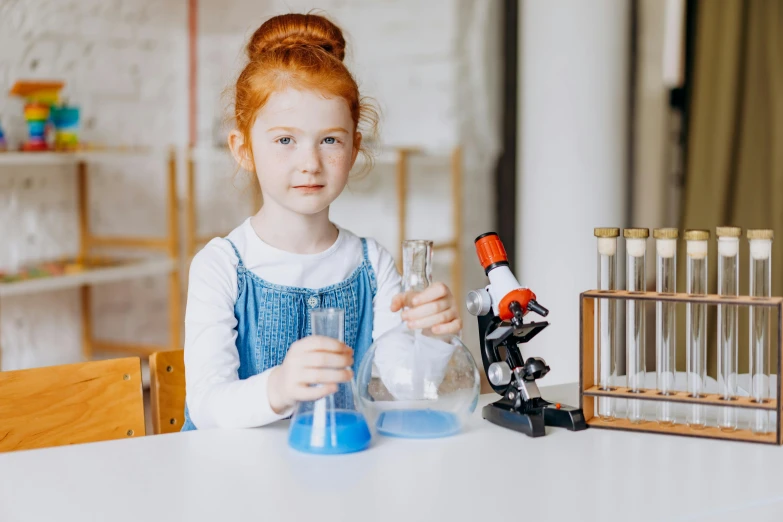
(500,308)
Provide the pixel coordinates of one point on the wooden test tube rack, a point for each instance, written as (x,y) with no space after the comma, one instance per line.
(589,390)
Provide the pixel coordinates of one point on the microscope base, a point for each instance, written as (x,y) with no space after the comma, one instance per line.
(533,420)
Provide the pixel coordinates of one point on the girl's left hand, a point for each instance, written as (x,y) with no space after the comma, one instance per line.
(433,307)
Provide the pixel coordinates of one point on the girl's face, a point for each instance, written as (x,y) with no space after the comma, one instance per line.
(303,149)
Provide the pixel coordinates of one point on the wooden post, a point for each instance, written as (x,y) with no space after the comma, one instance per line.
(85,242)
(402,203)
(175,304)
(87,341)
(587,360)
(1,346)
(190,212)
(456,182)
(779,394)
(83,204)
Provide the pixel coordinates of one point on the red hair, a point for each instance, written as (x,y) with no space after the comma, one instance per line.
(302,51)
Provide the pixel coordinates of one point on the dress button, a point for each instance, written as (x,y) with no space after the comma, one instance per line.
(313,301)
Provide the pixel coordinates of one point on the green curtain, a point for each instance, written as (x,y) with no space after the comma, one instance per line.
(734,166)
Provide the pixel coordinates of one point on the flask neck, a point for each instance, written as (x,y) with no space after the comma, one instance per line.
(416,265)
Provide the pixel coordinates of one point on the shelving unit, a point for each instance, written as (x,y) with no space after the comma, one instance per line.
(70,158)
(397,157)
(90,270)
(88,276)
(454,245)
(201,155)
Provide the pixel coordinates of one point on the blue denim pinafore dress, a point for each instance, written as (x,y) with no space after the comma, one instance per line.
(271,317)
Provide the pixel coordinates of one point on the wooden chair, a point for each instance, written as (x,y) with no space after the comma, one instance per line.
(167,391)
(71,404)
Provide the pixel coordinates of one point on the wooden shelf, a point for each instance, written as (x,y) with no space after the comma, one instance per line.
(85,276)
(69,158)
(712,399)
(89,276)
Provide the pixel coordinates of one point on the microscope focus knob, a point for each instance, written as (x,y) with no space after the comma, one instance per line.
(499,373)
(479,302)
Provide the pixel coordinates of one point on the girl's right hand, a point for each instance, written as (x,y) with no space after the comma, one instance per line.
(309,361)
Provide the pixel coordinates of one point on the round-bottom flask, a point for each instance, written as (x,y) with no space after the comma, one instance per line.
(413,383)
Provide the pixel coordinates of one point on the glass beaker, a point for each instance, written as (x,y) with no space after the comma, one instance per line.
(330,425)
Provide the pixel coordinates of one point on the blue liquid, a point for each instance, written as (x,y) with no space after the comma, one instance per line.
(347,434)
(417,424)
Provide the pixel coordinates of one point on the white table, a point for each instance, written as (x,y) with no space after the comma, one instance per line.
(486,473)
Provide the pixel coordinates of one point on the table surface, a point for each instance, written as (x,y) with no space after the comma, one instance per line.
(484,473)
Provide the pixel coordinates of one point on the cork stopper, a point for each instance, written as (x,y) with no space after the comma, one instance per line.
(606,232)
(761,233)
(697,235)
(728,231)
(636,233)
(666,233)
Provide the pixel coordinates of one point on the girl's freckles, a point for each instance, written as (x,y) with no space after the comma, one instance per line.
(335,160)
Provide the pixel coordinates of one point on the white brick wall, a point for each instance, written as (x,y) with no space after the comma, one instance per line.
(432,66)
(123,65)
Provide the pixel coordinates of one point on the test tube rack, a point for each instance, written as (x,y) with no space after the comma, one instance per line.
(589,391)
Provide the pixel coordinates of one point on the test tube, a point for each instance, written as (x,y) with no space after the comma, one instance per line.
(760,286)
(636,281)
(665,321)
(606,317)
(728,322)
(696,323)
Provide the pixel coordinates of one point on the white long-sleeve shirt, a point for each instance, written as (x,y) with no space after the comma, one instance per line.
(216,397)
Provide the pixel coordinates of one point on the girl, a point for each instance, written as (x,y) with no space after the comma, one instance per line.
(249,357)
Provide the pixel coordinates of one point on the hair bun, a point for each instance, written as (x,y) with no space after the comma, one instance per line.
(296,30)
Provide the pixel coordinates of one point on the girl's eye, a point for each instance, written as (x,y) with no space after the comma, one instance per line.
(330,141)
(284,141)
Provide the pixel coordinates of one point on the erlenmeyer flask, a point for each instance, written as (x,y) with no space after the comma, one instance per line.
(332,424)
(414,383)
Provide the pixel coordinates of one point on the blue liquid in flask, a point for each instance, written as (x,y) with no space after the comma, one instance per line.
(343,431)
(417,424)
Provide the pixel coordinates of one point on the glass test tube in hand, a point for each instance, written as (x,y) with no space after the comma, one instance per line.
(696,323)
(665,321)
(728,322)
(636,281)
(606,317)
(760,286)
(329,322)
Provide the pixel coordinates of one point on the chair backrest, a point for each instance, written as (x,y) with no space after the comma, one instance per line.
(167,390)
(71,404)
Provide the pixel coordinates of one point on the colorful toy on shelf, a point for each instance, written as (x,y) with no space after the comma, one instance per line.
(58,268)
(40,97)
(66,123)
(37,117)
